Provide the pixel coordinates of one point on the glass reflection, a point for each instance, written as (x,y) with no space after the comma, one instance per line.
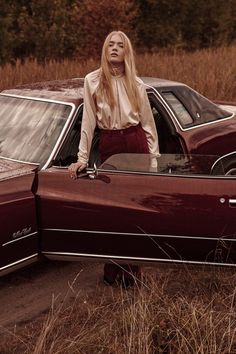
(29,128)
(174,164)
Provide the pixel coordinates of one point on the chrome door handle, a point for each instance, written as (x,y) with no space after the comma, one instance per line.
(94,173)
(232,202)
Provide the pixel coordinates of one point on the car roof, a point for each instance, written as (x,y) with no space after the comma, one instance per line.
(71,90)
(160,83)
(68,90)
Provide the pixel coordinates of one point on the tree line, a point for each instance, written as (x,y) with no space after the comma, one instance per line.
(58,29)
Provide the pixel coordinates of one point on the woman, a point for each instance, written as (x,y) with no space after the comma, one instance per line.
(116,101)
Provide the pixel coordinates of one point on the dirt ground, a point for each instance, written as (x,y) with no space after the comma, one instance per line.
(201,297)
(28,293)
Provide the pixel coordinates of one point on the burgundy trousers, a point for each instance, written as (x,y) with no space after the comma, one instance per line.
(130,140)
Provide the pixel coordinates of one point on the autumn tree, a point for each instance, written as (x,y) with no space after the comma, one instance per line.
(47,29)
(159,23)
(6,35)
(97,18)
(190,24)
(209,23)
(57,29)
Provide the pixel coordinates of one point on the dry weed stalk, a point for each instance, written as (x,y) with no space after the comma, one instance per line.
(176,310)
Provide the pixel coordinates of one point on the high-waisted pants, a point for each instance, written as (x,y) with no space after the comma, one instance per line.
(129,140)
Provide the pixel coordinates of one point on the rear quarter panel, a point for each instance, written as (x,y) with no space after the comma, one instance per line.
(216,138)
(18,234)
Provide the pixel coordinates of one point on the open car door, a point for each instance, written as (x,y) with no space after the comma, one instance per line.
(127,212)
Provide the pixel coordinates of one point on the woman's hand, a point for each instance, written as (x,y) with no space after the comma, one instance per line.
(153,164)
(75,168)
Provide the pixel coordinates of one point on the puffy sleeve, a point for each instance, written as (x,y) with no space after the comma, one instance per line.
(88,123)
(148,124)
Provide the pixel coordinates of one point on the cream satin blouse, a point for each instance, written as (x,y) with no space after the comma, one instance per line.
(97,112)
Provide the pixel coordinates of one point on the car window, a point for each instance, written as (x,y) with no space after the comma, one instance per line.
(169,141)
(191,108)
(176,164)
(30,128)
(179,109)
(69,150)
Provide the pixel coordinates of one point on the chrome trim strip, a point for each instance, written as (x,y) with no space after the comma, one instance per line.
(232,201)
(209,123)
(222,157)
(58,142)
(171,175)
(19,238)
(143,259)
(20,261)
(42,99)
(196,126)
(158,173)
(155,173)
(62,137)
(166,106)
(137,234)
(14,160)
(18,199)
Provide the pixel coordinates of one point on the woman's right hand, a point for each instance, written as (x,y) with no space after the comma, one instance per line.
(75,168)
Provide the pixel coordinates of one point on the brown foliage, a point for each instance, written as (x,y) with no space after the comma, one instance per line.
(98,18)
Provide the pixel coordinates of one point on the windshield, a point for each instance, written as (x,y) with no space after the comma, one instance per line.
(30,128)
(167,164)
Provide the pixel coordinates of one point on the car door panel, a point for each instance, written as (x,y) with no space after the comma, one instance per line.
(137,216)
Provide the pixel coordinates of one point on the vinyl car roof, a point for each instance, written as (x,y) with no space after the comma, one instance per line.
(71,90)
(156,82)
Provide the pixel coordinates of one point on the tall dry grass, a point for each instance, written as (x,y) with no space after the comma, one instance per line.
(182,310)
(210,71)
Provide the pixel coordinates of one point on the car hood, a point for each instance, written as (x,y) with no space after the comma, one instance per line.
(10,168)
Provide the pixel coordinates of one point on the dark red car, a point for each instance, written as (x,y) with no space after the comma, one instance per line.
(123,210)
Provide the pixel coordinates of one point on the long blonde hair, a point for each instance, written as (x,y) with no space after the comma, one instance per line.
(105,85)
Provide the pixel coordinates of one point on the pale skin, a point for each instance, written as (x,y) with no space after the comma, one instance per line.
(116,56)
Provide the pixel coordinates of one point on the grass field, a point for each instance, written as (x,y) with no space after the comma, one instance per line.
(210,71)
